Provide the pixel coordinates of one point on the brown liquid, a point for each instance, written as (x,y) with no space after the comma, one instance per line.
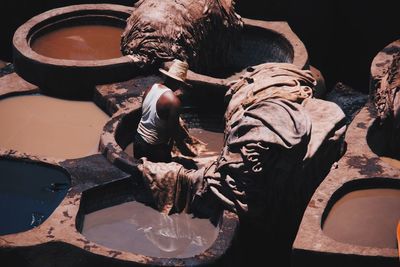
(46,126)
(366,218)
(214,141)
(86,42)
(134,227)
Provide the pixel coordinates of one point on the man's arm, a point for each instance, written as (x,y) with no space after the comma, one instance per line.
(187,145)
(173,118)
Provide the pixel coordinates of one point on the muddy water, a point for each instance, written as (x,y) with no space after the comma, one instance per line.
(136,228)
(46,126)
(29,193)
(85,42)
(366,218)
(214,141)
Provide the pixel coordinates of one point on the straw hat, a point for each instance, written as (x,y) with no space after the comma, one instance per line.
(177,71)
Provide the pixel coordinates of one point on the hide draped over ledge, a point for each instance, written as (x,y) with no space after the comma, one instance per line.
(386,98)
(277,139)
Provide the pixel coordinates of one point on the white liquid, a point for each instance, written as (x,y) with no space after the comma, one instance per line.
(136,228)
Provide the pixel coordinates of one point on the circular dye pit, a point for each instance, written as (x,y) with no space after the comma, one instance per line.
(68,50)
(265,46)
(365,217)
(260,42)
(84,42)
(29,193)
(135,227)
(51,127)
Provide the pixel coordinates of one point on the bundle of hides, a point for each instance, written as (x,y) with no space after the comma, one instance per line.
(273,129)
(200,32)
(387,103)
(387,95)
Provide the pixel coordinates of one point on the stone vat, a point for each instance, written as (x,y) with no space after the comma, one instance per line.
(359,168)
(30,192)
(261,42)
(366,165)
(128,190)
(49,127)
(70,77)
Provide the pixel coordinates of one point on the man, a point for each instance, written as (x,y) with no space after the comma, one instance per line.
(159,124)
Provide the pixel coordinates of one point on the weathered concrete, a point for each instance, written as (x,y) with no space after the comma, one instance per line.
(359,168)
(12,84)
(359,164)
(111,97)
(70,78)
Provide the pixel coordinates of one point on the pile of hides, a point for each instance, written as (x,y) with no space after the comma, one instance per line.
(387,95)
(274,130)
(200,32)
(387,103)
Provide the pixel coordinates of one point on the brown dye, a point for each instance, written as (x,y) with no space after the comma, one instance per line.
(46,126)
(134,227)
(85,42)
(365,217)
(214,141)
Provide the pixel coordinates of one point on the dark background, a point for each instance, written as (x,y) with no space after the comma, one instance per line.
(342,37)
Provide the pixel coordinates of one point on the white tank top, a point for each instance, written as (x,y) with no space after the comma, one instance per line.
(151,127)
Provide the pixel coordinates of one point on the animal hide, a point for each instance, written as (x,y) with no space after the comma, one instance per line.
(274,134)
(200,32)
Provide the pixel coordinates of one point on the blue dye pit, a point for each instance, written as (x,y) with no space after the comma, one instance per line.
(29,193)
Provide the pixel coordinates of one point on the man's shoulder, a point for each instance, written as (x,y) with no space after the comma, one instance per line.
(170,100)
(169,96)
